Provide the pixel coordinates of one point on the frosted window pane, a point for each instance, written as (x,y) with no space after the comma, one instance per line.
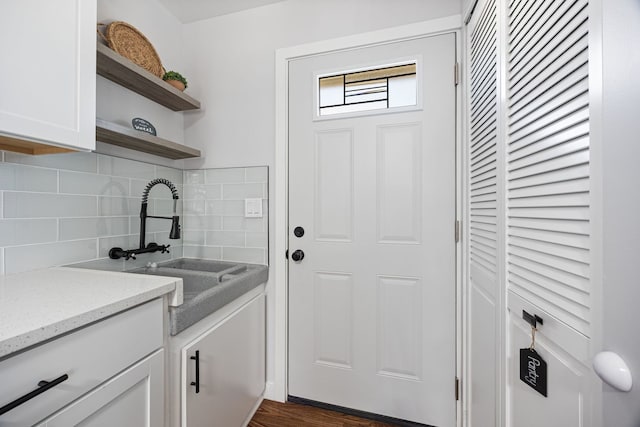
(331,91)
(402,91)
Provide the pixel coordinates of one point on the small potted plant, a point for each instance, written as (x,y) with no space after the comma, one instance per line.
(175,79)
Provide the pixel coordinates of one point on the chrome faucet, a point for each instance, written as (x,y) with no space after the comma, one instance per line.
(117,253)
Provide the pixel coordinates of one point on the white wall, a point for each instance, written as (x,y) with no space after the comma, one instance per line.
(119,105)
(232,70)
(621,201)
(232,66)
(69,208)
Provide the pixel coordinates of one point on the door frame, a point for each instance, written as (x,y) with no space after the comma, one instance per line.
(277,388)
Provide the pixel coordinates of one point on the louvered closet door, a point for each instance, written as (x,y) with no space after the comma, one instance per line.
(548,242)
(485,348)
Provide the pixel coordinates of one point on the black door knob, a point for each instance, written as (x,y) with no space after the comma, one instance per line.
(297,255)
(298,231)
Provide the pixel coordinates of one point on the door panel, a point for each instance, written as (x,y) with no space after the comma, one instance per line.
(334,185)
(565,351)
(399,175)
(372,304)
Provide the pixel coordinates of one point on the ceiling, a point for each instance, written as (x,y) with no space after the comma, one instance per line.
(195,10)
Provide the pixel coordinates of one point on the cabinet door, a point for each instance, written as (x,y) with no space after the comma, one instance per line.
(49,62)
(231,370)
(133,398)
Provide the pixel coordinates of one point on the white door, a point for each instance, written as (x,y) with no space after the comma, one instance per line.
(372,303)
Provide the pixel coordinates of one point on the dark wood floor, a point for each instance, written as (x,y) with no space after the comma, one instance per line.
(275,414)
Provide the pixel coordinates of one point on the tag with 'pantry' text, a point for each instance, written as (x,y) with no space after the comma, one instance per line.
(533,370)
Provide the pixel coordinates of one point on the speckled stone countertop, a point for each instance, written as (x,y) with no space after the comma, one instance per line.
(38,305)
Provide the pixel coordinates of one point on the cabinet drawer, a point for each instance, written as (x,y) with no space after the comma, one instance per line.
(133,398)
(88,356)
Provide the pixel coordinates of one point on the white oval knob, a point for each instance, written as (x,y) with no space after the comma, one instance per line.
(613,370)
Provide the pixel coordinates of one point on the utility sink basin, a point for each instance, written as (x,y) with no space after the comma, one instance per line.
(207,286)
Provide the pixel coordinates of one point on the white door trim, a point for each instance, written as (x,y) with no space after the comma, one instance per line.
(277,389)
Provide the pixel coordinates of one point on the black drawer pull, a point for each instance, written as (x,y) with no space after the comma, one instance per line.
(196,383)
(42,387)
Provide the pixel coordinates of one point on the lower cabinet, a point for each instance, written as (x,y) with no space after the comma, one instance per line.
(133,398)
(111,373)
(225,369)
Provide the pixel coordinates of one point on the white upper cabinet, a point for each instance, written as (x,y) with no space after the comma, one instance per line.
(48,58)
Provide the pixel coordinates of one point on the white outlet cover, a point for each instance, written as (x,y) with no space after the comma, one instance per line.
(253,208)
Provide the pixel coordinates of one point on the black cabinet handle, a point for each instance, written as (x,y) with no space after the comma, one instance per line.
(42,387)
(196,383)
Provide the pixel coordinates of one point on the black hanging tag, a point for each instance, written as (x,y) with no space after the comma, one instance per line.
(533,370)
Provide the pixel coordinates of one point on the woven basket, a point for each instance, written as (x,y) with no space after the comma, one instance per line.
(126,40)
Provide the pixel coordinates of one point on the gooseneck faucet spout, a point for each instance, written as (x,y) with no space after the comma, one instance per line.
(116,253)
(175,224)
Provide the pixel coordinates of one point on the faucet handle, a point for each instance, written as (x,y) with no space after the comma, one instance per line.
(165,249)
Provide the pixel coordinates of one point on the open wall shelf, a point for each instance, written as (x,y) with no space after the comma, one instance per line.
(120,70)
(115,134)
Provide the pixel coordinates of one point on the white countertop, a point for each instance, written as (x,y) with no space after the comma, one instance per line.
(41,304)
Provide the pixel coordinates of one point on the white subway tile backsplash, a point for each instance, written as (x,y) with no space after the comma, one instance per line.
(73,208)
(242,223)
(44,205)
(137,186)
(68,208)
(154,225)
(250,255)
(86,183)
(206,252)
(31,257)
(173,175)
(194,177)
(225,207)
(225,238)
(15,232)
(81,162)
(128,241)
(257,240)
(217,228)
(243,191)
(220,176)
(202,222)
(194,207)
(27,178)
(84,228)
(193,238)
(164,207)
(121,206)
(203,192)
(257,174)
(108,165)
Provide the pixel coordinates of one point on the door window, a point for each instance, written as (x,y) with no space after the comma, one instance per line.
(383,87)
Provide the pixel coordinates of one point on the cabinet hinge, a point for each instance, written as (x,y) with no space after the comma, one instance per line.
(456,73)
(457,231)
(457,389)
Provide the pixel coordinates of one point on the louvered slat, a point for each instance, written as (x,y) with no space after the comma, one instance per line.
(548,158)
(483,196)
